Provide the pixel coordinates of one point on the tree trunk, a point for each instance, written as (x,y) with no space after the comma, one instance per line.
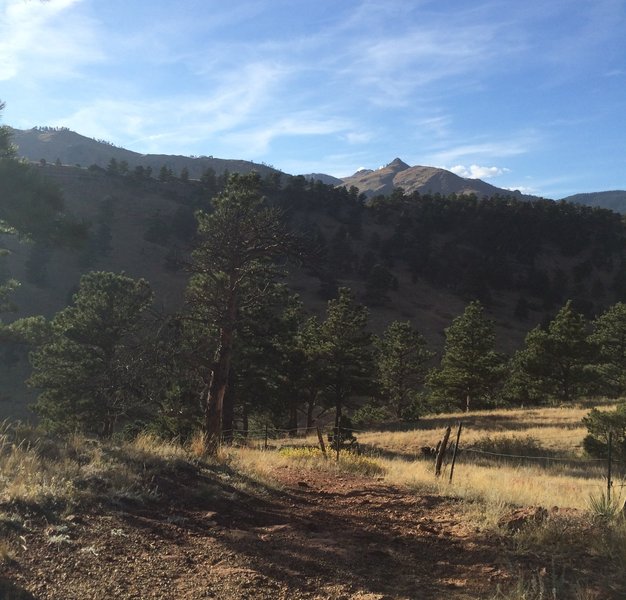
(338,408)
(309,412)
(292,423)
(228,409)
(219,381)
(244,420)
(107,427)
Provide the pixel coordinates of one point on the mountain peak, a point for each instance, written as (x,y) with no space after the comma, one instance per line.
(397,164)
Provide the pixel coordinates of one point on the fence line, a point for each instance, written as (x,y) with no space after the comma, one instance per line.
(556,458)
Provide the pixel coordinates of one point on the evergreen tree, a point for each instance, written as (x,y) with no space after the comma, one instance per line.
(601,423)
(265,338)
(30,206)
(113,167)
(7,150)
(165,174)
(556,361)
(470,369)
(231,267)
(89,367)
(401,357)
(377,283)
(343,350)
(609,336)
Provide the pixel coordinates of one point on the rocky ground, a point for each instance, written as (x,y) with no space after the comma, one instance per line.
(316,536)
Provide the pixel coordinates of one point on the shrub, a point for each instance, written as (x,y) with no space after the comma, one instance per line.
(371,415)
(599,424)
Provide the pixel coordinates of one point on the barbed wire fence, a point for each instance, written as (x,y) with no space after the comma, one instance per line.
(337,439)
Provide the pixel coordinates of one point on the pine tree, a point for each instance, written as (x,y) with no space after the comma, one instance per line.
(29,206)
(88,368)
(470,369)
(343,350)
(609,336)
(401,356)
(556,361)
(232,266)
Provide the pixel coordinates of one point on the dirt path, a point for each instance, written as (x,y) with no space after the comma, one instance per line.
(323,536)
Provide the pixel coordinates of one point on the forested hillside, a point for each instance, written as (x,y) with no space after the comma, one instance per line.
(406,257)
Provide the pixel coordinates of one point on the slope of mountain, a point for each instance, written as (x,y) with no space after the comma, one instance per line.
(326,179)
(422,179)
(71,148)
(613,200)
(418,259)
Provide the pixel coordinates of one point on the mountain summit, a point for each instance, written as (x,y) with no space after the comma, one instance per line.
(397,165)
(422,179)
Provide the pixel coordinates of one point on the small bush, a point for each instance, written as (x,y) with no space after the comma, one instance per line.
(605,509)
(370,415)
(599,423)
(513,446)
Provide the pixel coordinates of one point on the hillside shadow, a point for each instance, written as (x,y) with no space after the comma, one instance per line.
(374,451)
(490,423)
(229,496)
(10,591)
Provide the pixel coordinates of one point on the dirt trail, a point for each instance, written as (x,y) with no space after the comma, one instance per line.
(322,536)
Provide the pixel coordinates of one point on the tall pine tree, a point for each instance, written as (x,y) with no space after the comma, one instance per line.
(470,369)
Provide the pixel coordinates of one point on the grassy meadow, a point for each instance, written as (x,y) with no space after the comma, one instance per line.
(519,457)
(522,457)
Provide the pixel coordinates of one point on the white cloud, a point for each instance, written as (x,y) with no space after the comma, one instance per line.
(44,39)
(478,172)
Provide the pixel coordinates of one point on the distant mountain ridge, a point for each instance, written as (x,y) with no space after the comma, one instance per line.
(613,200)
(72,148)
(424,180)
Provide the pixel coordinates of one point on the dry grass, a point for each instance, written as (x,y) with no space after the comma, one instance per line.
(261,465)
(492,485)
(557,429)
(555,472)
(36,470)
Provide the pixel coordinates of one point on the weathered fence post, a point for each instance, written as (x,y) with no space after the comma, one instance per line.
(321,441)
(456,449)
(442,451)
(609,483)
(338,441)
(265,442)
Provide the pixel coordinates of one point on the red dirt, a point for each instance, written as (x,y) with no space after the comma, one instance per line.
(323,536)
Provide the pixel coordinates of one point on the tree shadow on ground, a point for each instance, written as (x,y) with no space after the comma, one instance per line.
(9,591)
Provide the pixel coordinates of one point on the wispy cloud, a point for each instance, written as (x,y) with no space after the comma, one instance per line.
(491,150)
(257,140)
(45,40)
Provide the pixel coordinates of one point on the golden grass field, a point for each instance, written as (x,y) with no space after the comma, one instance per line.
(556,472)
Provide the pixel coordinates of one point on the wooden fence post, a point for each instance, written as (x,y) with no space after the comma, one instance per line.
(321,441)
(456,449)
(265,443)
(609,483)
(338,441)
(442,451)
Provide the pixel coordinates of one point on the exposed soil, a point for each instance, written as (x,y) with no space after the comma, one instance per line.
(322,536)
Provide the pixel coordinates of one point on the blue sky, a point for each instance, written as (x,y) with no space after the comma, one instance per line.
(526,95)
